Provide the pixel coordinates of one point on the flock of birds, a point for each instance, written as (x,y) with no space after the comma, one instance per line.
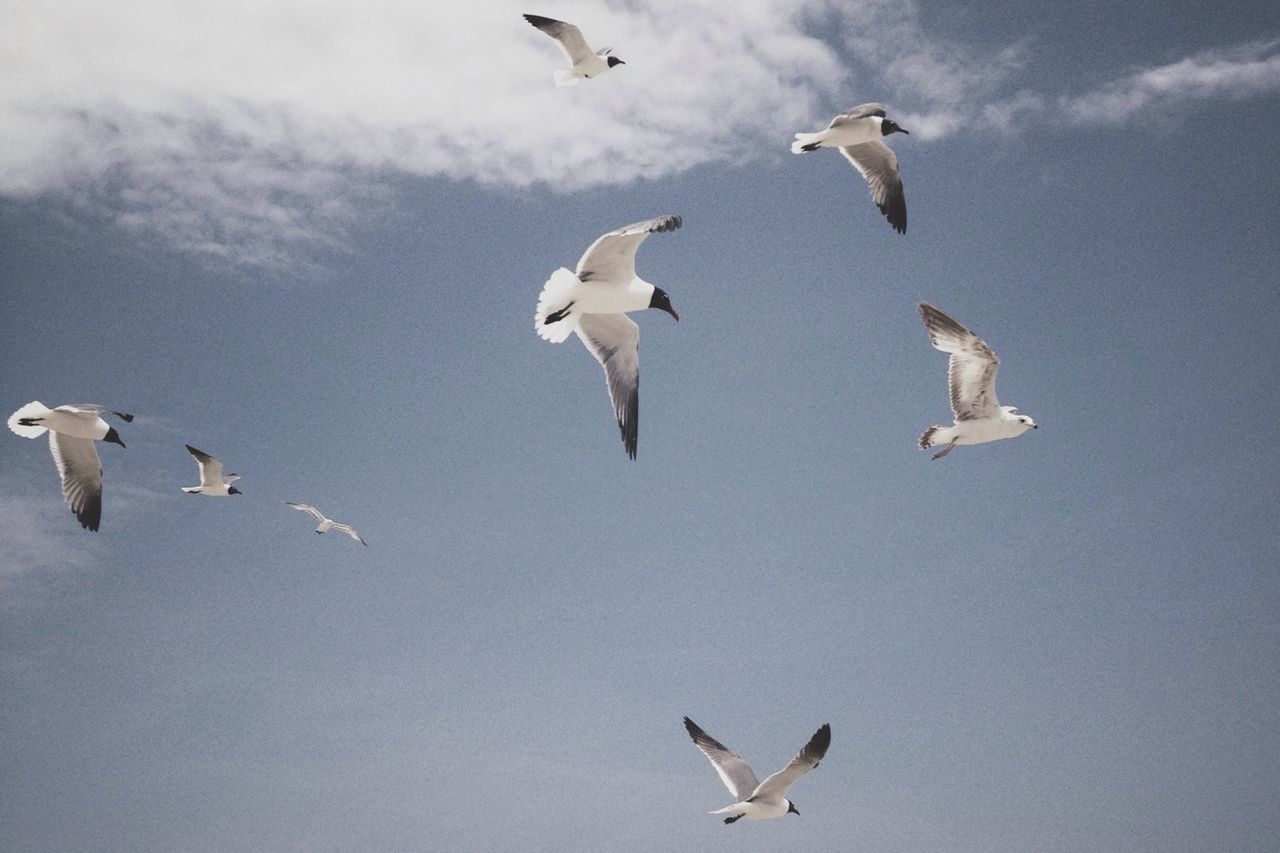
(593,301)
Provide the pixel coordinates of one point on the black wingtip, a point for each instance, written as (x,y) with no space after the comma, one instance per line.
(124,416)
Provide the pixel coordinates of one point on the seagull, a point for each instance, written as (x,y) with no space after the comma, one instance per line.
(212,483)
(585,62)
(72,431)
(327,524)
(859,134)
(971,375)
(594,301)
(758,800)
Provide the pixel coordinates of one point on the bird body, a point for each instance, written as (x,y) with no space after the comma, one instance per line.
(212,482)
(584,62)
(593,302)
(72,431)
(859,135)
(971,378)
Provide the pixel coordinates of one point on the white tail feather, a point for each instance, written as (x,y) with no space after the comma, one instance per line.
(34,409)
(556,295)
(565,77)
(803,139)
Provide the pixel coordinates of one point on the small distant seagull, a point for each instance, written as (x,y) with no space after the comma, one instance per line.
(859,135)
(594,303)
(212,483)
(327,524)
(72,431)
(758,800)
(971,376)
(585,62)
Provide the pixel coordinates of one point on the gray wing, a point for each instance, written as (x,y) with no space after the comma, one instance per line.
(736,774)
(614,339)
(860,111)
(308,509)
(210,468)
(971,373)
(879,166)
(95,409)
(612,257)
(777,784)
(567,36)
(81,474)
(350,531)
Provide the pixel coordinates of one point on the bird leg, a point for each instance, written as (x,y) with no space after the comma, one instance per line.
(732,819)
(557,316)
(950,447)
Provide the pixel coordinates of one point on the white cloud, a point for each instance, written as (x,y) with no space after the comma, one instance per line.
(37,535)
(1233,74)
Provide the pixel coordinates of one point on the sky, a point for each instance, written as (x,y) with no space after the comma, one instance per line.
(308,238)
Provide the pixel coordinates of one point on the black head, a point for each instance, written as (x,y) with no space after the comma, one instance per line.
(113,436)
(232,490)
(791,808)
(662,302)
(613,60)
(889,126)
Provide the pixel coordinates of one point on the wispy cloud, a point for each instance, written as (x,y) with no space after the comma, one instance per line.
(1235,73)
(37,535)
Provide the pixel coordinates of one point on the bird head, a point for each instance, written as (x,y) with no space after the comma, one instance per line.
(613,60)
(889,126)
(791,808)
(232,490)
(113,437)
(662,302)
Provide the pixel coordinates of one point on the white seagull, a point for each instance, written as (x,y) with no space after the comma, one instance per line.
(327,524)
(585,62)
(212,483)
(72,431)
(758,800)
(859,134)
(594,301)
(971,375)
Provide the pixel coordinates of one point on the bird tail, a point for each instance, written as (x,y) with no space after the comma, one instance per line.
(555,318)
(927,437)
(34,409)
(564,77)
(806,142)
(191,490)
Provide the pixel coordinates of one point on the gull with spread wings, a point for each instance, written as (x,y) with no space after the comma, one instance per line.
(327,524)
(586,63)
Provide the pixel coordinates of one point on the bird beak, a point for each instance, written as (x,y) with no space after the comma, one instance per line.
(673,313)
(904,130)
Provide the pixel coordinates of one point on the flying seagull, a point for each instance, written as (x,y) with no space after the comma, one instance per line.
(72,431)
(327,524)
(971,375)
(212,483)
(594,301)
(585,62)
(859,134)
(758,800)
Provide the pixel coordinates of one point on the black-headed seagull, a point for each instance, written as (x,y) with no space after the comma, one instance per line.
(859,134)
(585,63)
(327,524)
(971,377)
(212,482)
(758,800)
(72,431)
(594,301)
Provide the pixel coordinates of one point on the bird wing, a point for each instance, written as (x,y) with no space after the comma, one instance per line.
(567,36)
(860,111)
(308,509)
(736,774)
(879,166)
(777,784)
(971,373)
(81,474)
(350,531)
(614,339)
(210,468)
(94,409)
(612,257)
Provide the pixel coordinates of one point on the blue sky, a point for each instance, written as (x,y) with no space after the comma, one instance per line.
(310,241)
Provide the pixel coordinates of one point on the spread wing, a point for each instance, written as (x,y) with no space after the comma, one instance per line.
(972,370)
(860,111)
(210,468)
(814,750)
(612,257)
(350,531)
(614,339)
(879,166)
(736,774)
(81,474)
(308,509)
(567,36)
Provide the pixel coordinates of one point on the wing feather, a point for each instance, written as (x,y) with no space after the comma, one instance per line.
(808,758)
(81,473)
(971,371)
(612,257)
(567,36)
(614,339)
(878,165)
(736,774)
